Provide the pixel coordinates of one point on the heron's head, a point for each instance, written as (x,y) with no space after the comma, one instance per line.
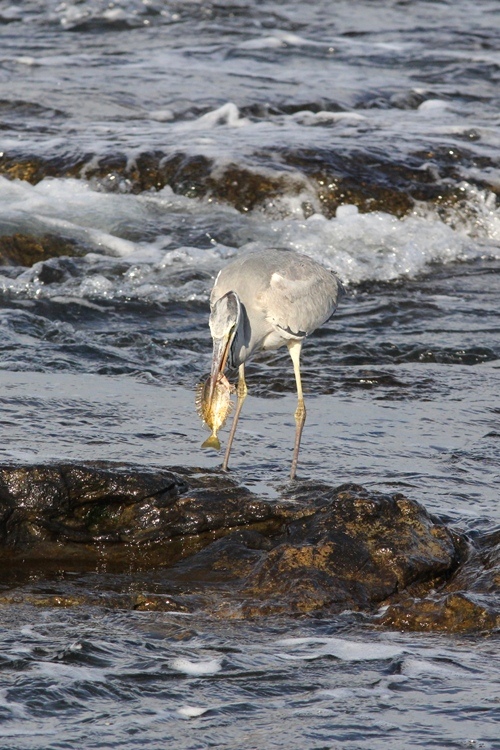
(224,319)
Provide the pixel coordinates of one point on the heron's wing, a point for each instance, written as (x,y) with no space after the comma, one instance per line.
(299,298)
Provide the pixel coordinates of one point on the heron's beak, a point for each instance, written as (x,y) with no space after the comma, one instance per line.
(219,359)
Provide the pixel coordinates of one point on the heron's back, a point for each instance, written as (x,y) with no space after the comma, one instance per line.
(282,283)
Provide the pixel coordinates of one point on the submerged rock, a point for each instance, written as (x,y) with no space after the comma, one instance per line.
(321,179)
(190,541)
(25,249)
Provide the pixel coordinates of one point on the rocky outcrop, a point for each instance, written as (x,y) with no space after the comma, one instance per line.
(323,179)
(186,540)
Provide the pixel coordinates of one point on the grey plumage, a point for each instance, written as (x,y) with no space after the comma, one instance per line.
(265,300)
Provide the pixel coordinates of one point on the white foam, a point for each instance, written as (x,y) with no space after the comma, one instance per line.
(316,648)
(191,712)
(115,245)
(182,256)
(115,14)
(379,246)
(416,668)
(276,40)
(71,208)
(71,16)
(96,285)
(380,689)
(313,119)
(197,668)
(433,107)
(31,62)
(228,115)
(263,42)
(162,115)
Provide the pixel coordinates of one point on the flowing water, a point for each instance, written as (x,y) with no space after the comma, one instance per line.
(101,349)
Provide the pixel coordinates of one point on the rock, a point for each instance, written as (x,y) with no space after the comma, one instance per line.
(33,168)
(199,541)
(454,613)
(183,540)
(468,601)
(343,548)
(127,517)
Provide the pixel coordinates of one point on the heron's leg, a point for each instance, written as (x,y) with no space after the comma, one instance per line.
(241,392)
(294,348)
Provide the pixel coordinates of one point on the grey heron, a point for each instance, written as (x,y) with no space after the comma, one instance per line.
(265,300)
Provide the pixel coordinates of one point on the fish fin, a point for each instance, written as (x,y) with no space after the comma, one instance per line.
(212,442)
(199,400)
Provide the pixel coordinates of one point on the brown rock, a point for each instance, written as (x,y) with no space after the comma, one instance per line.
(343,548)
(455,613)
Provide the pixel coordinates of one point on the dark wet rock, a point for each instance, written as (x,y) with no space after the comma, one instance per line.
(243,187)
(263,110)
(25,250)
(178,539)
(182,540)
(128,518)
(456,613)
(32,168)
(371,183)
(469,601)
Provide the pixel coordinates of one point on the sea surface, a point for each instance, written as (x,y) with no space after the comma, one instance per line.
(101,349)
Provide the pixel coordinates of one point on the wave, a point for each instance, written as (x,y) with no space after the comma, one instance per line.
(141,246)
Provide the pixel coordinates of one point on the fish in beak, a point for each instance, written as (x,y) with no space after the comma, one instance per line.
(219,359)
(224,319)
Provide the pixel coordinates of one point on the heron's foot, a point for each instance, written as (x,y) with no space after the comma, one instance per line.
(241,390)
(300,418)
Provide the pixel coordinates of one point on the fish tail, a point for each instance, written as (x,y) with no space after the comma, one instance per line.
(212,442)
